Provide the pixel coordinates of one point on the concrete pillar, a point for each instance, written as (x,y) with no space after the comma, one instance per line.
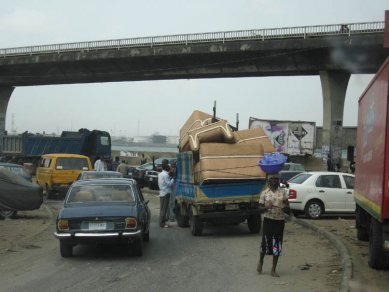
(334,86)
(5,95)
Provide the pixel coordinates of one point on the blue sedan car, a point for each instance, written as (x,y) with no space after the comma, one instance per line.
(105,210)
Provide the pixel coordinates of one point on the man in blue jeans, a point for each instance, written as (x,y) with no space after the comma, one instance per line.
(165,183)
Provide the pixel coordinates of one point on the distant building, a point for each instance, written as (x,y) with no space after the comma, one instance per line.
(142,139)
(158,139)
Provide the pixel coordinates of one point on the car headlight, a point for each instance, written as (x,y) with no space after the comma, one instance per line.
(131,223)
(63,225)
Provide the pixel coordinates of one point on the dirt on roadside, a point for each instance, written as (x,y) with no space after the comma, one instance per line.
(364,278)
(16,233)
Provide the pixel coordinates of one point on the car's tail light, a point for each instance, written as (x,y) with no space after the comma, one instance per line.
(131,223)
(292,194)
(63,225)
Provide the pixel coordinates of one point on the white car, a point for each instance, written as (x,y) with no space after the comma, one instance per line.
(318,192)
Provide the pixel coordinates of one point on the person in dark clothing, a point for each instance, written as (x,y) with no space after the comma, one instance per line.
(115,164)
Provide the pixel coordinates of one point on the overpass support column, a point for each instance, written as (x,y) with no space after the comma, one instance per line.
(334,86)
(5,95)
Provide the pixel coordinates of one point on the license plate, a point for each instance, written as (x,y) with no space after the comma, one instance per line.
(97,226)
(231,207)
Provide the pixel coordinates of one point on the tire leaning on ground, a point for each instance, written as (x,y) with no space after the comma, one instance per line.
(8,214)
(376,249)
(254,223)
(314,209)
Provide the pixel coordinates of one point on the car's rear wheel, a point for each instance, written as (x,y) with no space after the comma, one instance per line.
(314,209)
(8,214)
(254,223)
(65,249)
(138,247)
(146,236)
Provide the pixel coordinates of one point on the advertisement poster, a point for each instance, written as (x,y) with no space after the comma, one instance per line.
(293,138)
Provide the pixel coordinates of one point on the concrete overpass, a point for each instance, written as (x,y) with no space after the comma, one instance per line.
(332,51)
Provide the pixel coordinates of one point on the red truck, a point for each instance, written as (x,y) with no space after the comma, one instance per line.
(372,169)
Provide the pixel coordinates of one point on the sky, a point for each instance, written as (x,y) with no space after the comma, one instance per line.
(144,108)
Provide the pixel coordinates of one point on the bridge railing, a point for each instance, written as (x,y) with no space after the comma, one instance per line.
(347,29)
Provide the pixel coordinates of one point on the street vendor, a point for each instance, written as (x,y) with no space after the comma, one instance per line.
(274,201)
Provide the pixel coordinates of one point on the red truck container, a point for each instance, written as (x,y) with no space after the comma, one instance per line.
(372,169)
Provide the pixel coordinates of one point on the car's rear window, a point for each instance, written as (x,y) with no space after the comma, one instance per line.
(101,175)
(68,163)
(101,193)
(300,178)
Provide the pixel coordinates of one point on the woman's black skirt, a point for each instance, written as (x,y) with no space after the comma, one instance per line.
(272,233)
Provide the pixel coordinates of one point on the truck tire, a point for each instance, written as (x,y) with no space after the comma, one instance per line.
(196,225)
(362,234)
(254,223)
(361,224)
(377,258)
(182,221)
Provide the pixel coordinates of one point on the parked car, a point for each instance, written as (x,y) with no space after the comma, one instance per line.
(16,169)
(146,172)
(92,174)
(290,170)
(17,193)
(103,211)
(151,176)
(316,193)
(139,172)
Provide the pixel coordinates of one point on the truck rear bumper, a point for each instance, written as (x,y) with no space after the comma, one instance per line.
(223,214)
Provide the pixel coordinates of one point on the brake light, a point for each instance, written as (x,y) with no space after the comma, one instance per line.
(131,223)
(63,225)
(292,194)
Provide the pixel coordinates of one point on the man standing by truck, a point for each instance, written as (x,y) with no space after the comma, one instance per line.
(165,188)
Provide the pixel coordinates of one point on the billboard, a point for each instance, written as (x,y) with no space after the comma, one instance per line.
(289,137)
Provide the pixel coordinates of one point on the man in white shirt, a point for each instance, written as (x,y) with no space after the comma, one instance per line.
(99,164)
(165,188)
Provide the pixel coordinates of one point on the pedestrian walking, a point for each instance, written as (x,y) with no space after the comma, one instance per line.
(274,200)
(165,188)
